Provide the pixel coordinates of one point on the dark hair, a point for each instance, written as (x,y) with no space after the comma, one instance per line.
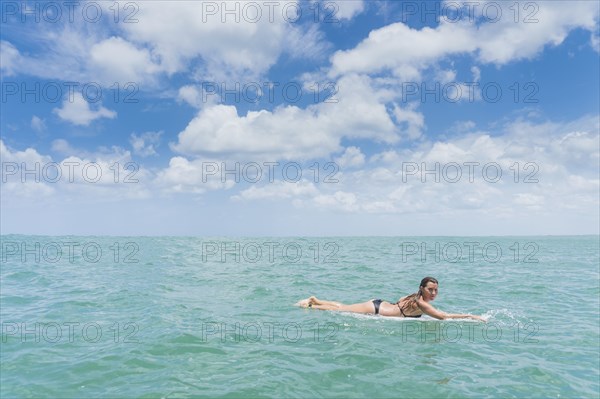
(425,281)
(413,297)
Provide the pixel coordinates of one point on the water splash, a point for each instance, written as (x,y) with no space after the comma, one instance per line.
(506,317)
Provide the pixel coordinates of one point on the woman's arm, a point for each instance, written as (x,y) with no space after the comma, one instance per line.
(433,312)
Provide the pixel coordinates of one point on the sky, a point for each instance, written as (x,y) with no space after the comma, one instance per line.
(300,118)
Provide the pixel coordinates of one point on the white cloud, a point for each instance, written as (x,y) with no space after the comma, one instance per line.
(78,111)
(38,124)
(29,156)
(462,126)
(565,159)
(403,50)
(279,190)
(330,11)
(144,144)
(182,33)
(476,73)
(74,52)
(349,9)
(219,130)
(107,159)
(406,52)
(351,158)
(191,95)
(544,166)
(9,58)
(505,41)
(289,132)
(168,38)
(116,59)
(445,76)
(106,175)
(65,53)
(306,43)
(531,200)
(595,42)
(340,200)
(62,146)
(184,176)
(413,121)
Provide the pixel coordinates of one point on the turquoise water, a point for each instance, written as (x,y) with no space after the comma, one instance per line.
(214,317)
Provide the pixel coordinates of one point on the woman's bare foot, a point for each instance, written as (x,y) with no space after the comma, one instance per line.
(304,303)
(308,302)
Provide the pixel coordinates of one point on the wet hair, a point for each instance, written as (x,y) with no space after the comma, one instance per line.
(425,281)
(411,299)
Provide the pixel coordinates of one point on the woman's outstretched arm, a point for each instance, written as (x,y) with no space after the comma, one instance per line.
(433,312)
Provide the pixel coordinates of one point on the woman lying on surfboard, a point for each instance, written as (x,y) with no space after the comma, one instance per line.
(413,305)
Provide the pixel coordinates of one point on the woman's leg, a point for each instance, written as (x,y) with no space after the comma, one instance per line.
(313,302)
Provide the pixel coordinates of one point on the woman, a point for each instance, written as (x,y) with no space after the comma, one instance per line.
(413,305)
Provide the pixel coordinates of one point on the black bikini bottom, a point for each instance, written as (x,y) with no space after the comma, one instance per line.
(376,303)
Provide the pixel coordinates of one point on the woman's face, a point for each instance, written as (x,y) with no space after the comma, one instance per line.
(430,291)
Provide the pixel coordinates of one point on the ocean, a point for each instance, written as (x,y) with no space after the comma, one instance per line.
(178,317)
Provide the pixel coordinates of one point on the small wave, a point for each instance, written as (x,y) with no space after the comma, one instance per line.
(505,316)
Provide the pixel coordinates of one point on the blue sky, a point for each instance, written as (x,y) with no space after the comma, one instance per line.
(369,94)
